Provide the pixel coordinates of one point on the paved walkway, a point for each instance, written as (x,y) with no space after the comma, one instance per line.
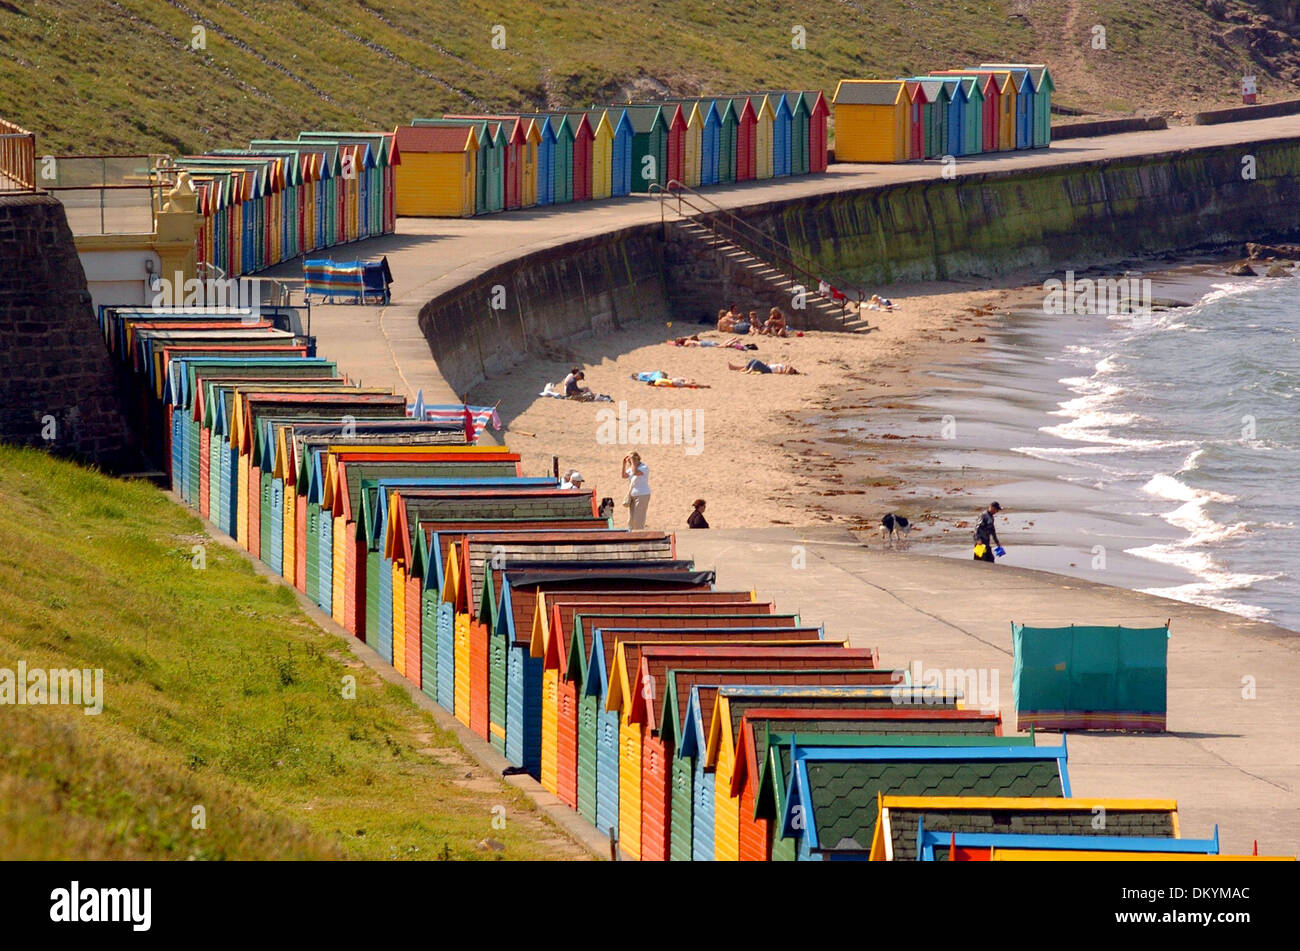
(384,346)
(1226,759)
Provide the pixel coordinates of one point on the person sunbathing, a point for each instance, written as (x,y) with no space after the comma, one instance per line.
(758,366)
(775,325)
(755,325)
(726,322)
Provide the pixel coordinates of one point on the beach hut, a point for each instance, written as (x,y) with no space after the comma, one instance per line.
(728,130)
(764,117)
(649,146)
(704,792)
(972,115)
(583,146)
(781,136)
(511,634)
(676,141)
(955,126)
(990,95)
(638,684)
(620,159)
(562,168)
(872,120)
(438,176)
(510,142)
(602,153)
(937,95)
(693,140)
(748,744)
(947,846)
(818,113)
(1040,79)
(487,166)
(380,160)
(844,827)
(557,654)
(587,671)
(532,162)
(798,132)
(918,119)
(898,818)
(544,132)
(746,138)
(568,658)
(710,131)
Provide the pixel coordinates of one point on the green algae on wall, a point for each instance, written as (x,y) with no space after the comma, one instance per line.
(1075,216)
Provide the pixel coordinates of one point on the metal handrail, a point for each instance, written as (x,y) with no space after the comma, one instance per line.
(17,158)
(738,226)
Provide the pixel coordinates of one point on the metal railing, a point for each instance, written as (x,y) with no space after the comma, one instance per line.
(17,158)
(726,225)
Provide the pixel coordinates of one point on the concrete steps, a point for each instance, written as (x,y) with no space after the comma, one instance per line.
(827,313)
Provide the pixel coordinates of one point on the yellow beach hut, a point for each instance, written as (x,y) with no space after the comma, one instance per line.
(602,153)
(438,180)
(766,115)
(871,120)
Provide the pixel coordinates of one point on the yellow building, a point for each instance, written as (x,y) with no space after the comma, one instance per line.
(436,177)
(871,120)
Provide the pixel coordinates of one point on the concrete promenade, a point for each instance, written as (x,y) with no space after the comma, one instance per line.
(1226,759)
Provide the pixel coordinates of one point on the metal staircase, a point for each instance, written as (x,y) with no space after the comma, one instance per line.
(765,258)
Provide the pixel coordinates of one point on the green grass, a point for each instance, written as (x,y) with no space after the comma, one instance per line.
(218,692)
(98,77)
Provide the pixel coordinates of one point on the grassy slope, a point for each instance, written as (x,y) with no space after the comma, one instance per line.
(218,692)
(119,75)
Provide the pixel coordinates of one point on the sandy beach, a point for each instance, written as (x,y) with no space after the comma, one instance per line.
(760,449)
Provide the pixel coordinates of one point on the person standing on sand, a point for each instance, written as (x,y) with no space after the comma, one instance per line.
(696,518)
(986,534)
(638,489)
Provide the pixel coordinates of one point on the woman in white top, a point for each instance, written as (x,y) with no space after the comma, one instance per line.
(638,489)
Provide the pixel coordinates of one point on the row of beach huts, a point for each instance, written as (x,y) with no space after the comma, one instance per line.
(684,719)
(281,198)
(463,165)
(993,107)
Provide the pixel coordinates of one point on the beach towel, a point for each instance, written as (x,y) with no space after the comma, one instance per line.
(681,384)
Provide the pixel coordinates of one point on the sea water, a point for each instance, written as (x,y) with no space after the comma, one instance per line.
(1182,426)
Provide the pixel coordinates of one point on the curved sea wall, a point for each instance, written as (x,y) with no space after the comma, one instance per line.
(976,225)
(1074,216)
(538,301)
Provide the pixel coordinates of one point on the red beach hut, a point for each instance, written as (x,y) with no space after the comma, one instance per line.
(746,133)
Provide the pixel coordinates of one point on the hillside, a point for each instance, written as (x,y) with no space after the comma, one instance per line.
(123,76)
(217,692)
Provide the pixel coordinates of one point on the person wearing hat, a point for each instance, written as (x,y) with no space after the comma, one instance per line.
(572,480)
(986,534)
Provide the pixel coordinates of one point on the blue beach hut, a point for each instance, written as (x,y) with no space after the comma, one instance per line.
(781,126)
